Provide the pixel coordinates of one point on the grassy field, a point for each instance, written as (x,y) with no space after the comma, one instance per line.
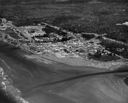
(84,15)
(81,17)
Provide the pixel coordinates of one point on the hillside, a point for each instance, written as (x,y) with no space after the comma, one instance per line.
(9,2)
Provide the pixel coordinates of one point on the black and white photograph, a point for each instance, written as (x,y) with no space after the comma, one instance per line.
(63,51)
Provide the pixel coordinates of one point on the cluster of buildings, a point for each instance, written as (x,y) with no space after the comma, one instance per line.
(45,38)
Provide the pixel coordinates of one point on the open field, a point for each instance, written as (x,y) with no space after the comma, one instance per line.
(51,83)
